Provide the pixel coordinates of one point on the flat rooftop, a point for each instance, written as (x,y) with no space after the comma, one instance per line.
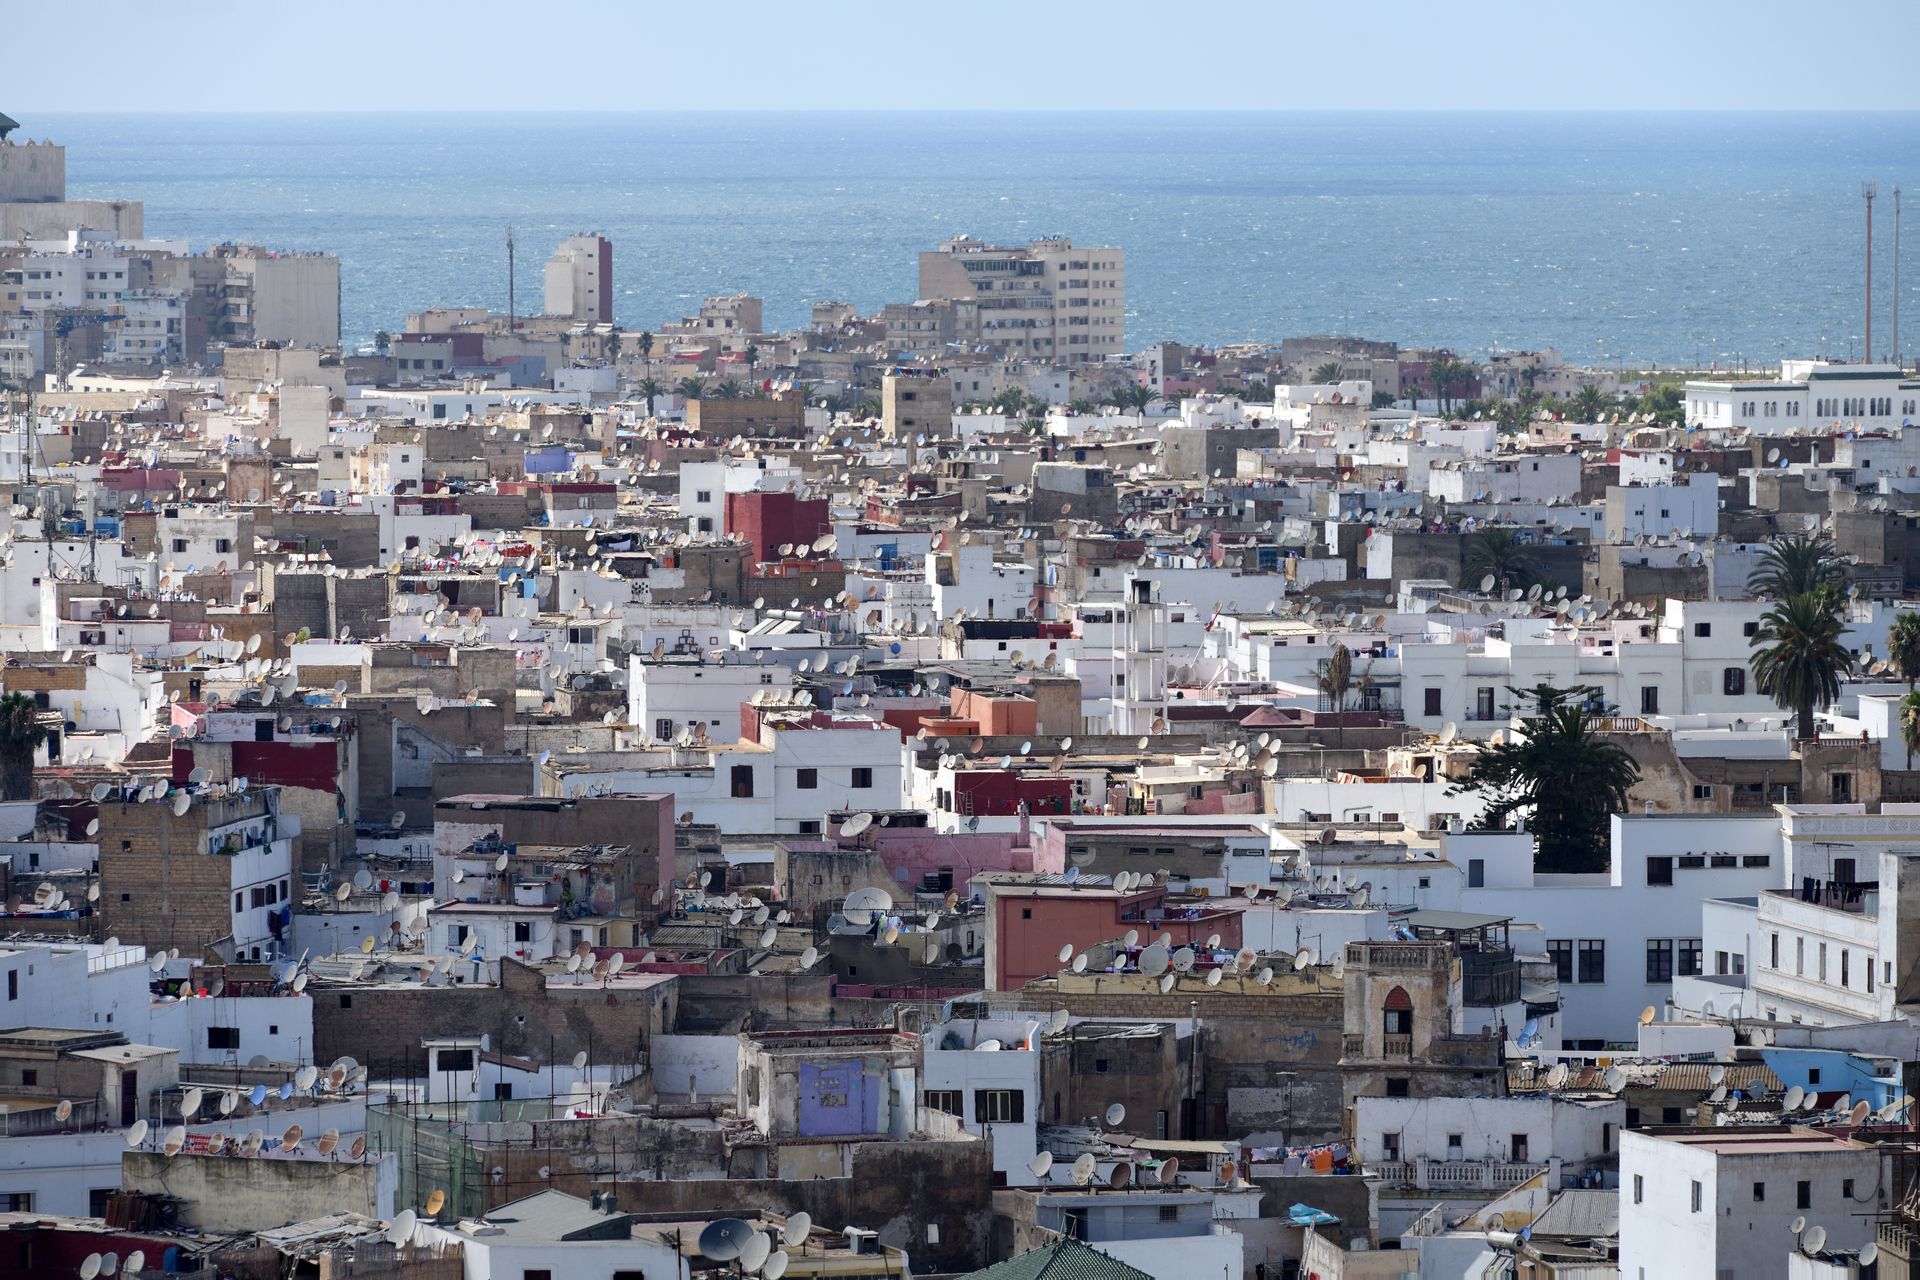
(1769,1141)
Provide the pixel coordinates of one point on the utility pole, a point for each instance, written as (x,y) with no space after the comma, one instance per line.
(1897,362)
(1867,192)
(513,324)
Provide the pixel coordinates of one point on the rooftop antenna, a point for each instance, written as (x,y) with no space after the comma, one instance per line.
(1896,278)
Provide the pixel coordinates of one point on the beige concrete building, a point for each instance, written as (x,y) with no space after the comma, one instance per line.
(579,279)
(1048,301)
(912,406)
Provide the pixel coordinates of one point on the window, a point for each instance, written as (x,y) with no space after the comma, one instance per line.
(1397,1013)
(1750,630)
(536,1273)
(1689,955)
(1476,872)
(1759,1193)
(1390,1147)
(523,931)
(1433,702)
(999,1106)
(1696,1195)
(1639,1188)
(1703,629)
(1561,952)
(13,984)
(1399,1087)
(16,1202)
(1659,959)
(1844,956)
(862,779)
(1803,1195)
(1660,870)
(223,1037)
(743,782)
(1517,1148)
(1649,699)
(662,729)
(456,1060)
(1846,1187)
(946,1101)
(807,779)
(1593,960)
(1773,947)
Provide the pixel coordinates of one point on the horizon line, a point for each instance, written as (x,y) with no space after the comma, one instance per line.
(987,110)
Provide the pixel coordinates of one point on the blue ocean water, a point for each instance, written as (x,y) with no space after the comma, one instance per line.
(1619,238)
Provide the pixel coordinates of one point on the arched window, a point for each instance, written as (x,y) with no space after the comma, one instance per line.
(1398,1012)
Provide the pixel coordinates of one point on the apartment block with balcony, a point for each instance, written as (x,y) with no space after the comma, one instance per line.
(1047,301)
(1405,1027)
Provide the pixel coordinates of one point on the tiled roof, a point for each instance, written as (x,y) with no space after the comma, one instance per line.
(1062,1260)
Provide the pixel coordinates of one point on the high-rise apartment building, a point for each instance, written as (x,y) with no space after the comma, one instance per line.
(1048,301)
(580,279)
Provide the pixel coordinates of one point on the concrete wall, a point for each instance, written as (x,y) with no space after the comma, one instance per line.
(227,1193)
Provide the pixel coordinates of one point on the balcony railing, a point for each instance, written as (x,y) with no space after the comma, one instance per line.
(1355,1046)
(1451,1175)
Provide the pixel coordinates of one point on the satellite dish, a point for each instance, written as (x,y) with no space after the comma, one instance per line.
(1119,1175)
(137,1133)
(776,1266)
(1083,1170)
(64,1110)
(753,1255)
(1797,1225)
(1041,1164)
(1792,1101)
(182,801)
(1647,1015)
(90,1267)
(1869,1253)
(1116,1113)
(357,1148)
(402,1229)
(1557,1075)
(725,1240)
(1080,963)
(809,957)
(1616,1079)
(1153,961)
(580,1060)
(798,1227)
(1814,1241)
(436,1202)
(1858,1116)
(189,1103)
(174,1140)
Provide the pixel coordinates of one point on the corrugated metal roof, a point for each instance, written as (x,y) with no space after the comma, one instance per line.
(1581,1214)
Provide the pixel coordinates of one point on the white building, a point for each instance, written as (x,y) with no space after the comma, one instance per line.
(579,279)
(994,1092)
(1717,1202)
(1809,396)
(553,1233)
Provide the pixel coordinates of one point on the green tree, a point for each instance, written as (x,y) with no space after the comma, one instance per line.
(650,388)
(1903,647)
(21,734)
(1664,404)
(613,346)
(1796,565)
(867,408)
(691,388)
(646,344)
(1588,401)
(1499,553)
(1559,775)
(1447,374)
(753,355)
(727,389)
(1325,372)
(1910,725)
(1132,397)
(382,340)
(1799,654)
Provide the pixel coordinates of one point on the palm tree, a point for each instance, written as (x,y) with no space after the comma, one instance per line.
(1903,647)
(1558,774)
(646,344)
(1588,402)
(1800,656)
(1448,373)
(1328,371)
(1795,565)
(727,390)
(1499,554)
(1336,680)
(1910,725)
(21,734)
(753,356)
(650,388)
(691,388)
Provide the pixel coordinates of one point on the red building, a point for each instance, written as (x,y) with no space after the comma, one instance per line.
(1028,923)
(769,520)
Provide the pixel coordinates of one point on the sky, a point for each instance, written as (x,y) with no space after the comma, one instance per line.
(1040,55)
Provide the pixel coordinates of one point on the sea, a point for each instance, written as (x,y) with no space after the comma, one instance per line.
(1634,240)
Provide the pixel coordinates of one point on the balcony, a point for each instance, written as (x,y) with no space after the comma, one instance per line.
(1391,1047)
(1422,1174)
(1397,955)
